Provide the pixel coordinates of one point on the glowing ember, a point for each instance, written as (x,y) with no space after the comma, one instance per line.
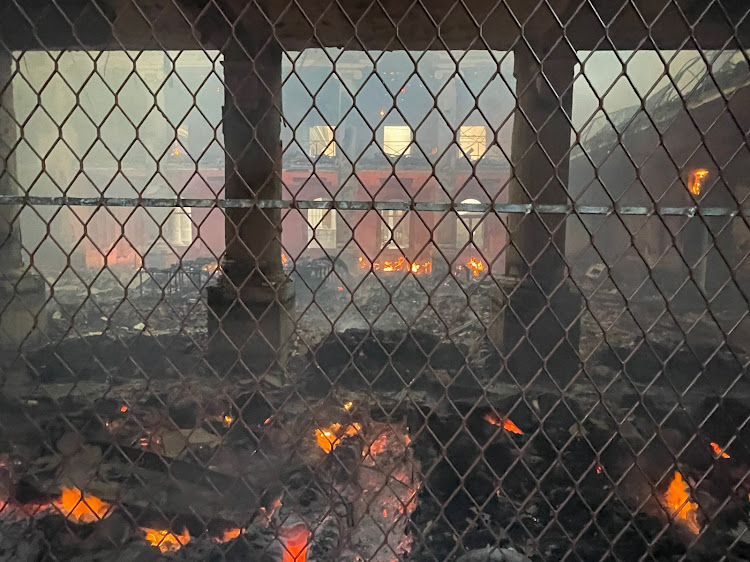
(329,437)
(341,288)
(400,264)
(229,534)
(719,451)
(284,259)
(123,409)
(227,420)
(295,543)
(379,445)
(677,501)
(165,539)
(599,469)
(476,266)
(80,507)
(505,423)
(696,179)
(348,405)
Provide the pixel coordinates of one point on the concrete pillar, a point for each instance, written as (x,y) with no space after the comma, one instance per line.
(22,294)
(536,313)
(251,305)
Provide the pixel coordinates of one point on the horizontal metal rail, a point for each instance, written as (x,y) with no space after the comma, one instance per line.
(347,205)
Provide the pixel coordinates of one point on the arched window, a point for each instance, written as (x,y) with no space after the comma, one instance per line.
(321,228)
(469,224)
(394,230)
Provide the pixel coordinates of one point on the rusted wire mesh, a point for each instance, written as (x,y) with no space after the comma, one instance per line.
(374,281)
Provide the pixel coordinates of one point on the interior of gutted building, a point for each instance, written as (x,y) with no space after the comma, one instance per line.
(374,281)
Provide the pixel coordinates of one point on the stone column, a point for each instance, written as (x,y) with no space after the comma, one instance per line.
(537,311)
(22,294)
(252,304)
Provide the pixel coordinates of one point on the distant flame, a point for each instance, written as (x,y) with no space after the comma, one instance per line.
(330,437)
(284,259)
(165,539)
(81,508)
(227,420)
(210,267)
(505,423)
(123,409)
(400,264)
(677,500)
(476,266)
(296,541)
(599,469)
(696,180)
(719,451)
(348,405)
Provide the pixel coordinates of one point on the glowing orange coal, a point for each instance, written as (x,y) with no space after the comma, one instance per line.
(81,508)
(295,541)
(505,423)
(165,539)
(329,437)
(677,501)
(719,451)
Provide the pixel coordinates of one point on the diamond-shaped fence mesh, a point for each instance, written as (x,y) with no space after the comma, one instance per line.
(374,281)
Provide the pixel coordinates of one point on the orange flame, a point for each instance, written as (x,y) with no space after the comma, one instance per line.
(210,267)
(227,420)
(400,264)
(476,265)
(165,539)
(719,451)
(677,500)
(696,179)
(284,259)
(330,437)
(123,409)
(505,423)
(81,508)
(295,543)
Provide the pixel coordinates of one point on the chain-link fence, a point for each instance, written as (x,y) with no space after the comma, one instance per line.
(373,281)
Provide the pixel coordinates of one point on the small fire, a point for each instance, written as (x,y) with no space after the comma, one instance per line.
(348,405)
(677,500)
(505,423)
(123,409)
(599,469)
(476,266)
(165,539)
(81,508)
(296,540)
(400,264)
(227,420)
(210,267)
(330,437)
(719,451)
(284,259)
(696,180)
